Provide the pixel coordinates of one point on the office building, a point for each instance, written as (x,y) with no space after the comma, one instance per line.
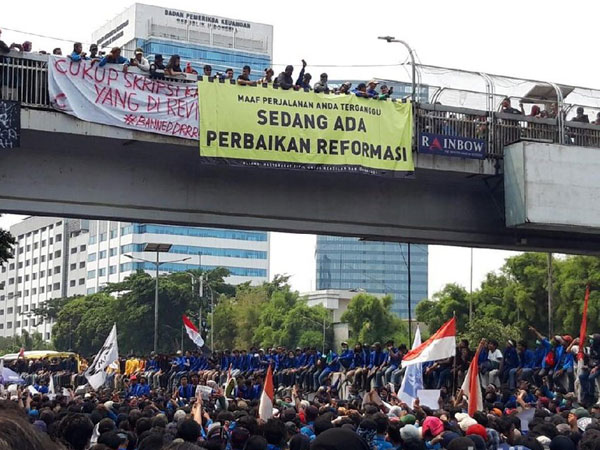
(198,38)
(376,267)
(57,257)
(244,253)
(49,262)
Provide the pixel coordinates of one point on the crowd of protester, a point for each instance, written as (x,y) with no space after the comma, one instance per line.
(324,401)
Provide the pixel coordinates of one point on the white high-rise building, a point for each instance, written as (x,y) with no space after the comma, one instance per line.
(57,257)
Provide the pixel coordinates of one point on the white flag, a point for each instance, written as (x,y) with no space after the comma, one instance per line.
(96,373)
(51,389)
(413,377)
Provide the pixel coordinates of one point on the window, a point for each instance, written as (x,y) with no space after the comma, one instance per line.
(47,335)
(49,288)
(18,324)
(27,262)
(102,237)
(73,266)
(82,248)
(73,250)
(81,281)
(72,283)
(91,274)
(12,266)
(11,281)
(1,312)
(34,276)
(49,272)
(82,264)
(91,257)
(43,242)
(50,257)
(35,260)
(26,308)
(56,269)
(112,270)
(2,297)
(21,265)
(112,251)
(42,288)
(28,247)
(25,322)
(9,310)
(9,325)
(43,258)
(56,286)
(1,326)
(18,310)
(92,240)
(59,223)
(91,291)
(34,291)
(50,241)
(36,245)
(57,254)
(114,233)
(58,237)
(26,278)
(19,279)
(101,272)
(102,254)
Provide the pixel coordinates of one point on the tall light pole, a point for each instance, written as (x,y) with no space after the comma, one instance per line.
(471,289)
(158,248)
(390,39)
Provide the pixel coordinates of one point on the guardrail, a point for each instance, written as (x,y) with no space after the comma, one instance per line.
(24,77)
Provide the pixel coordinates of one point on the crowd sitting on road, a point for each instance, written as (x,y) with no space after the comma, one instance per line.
(346,400)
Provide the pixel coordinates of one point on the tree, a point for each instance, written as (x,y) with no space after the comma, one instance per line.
(26,341)
(452,299)
(6,243)
(489,328)
(371,320)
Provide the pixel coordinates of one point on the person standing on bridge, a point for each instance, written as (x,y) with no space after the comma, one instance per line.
(78,54)
(114,57)
(139,61)
(285,80)
(244,78)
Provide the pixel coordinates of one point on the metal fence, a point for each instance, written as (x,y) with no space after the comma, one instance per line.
(24,77)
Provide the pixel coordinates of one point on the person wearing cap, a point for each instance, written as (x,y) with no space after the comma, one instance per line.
(321,85)
(114,57)
(344,88)
(134,388)
(139,61)
(93,51)
(372,88)
(268,78)
(77,54)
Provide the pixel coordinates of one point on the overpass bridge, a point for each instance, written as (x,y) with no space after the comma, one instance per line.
(535,189)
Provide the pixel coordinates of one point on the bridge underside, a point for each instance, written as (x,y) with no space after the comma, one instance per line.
(74,175)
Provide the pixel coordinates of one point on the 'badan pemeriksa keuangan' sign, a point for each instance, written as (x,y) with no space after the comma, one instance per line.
(108,95)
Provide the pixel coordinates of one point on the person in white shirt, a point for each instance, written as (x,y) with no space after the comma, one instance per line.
(490,368)
(139,60)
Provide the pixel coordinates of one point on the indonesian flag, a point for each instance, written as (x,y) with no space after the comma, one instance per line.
(583,328)
(441,345)
(192,332)
(265,409)
(471,386)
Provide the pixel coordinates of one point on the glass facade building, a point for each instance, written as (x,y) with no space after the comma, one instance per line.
(376,267)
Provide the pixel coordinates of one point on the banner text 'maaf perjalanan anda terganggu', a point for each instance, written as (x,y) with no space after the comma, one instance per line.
(295,129)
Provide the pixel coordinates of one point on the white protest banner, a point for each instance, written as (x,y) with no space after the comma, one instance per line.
(96,373)
(110,96)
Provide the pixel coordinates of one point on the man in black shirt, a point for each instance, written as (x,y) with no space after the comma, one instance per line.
(507,108)
(244,78)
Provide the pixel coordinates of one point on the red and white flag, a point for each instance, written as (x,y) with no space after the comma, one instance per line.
(471,387)
(192,332)
(441,345)
(265,409)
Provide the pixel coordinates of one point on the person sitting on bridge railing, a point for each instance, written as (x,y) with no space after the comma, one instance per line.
(284,80)
(173,68)
(6,48)
(268,78)
(360,90)
(57,51)
(244,78)
(344,88)
(321,85)
(385,92)
(139,61)
(114,57)
(78,54)
(93,51)
(157,64)
(372,89)
(207,70)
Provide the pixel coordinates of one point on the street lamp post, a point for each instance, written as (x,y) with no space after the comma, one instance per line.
(158,248)
(411,54)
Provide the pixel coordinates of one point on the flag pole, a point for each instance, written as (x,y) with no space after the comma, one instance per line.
(454,374)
